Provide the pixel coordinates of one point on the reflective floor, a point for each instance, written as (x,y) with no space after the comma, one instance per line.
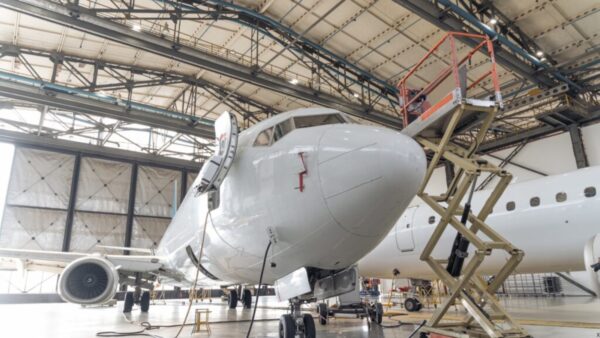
(66,320)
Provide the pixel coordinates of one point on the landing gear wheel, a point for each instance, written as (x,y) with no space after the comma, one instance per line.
(412,305)
(233,299)
(323,313)
(378,313)
(128,302)
(287,327)
(247,299)
(145,301)
(309,326)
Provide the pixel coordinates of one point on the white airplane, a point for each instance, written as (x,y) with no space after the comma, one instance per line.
(319,189)
(554,220)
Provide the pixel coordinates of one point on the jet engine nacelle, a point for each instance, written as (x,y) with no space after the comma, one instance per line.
(88,280)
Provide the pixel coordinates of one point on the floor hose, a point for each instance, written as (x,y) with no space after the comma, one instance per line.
(262,271)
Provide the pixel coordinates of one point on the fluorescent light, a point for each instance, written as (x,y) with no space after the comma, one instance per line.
(356,95)
(136,27)
(294,81)
(539,53)
(493,21)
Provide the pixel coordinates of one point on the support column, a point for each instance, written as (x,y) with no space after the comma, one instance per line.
(71,206)
(184,178)
(131,206)
(578,147)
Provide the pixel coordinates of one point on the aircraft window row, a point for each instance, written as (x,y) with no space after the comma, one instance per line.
(560,197)
(589,192)
(273,134)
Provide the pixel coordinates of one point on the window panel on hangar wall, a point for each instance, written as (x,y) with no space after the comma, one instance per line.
(103,186)
(147,231)
(154,193)
(191,177)
(36,200)
(91,229)
(101,206)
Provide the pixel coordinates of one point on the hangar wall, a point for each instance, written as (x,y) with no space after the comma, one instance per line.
(39,193)
(51,192)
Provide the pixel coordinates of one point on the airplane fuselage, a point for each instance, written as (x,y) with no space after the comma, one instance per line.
(552,219)
(328,194)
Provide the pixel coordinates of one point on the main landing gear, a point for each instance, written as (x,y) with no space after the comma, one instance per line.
(141,298)
(296,323)
(234,297)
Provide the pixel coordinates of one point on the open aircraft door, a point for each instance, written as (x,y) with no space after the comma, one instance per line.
(215,169)
(404,230)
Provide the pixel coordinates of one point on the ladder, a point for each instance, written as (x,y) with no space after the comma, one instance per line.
(436,129)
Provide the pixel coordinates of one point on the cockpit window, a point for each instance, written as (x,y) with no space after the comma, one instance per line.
(282,129)
(264,138)
(317,120)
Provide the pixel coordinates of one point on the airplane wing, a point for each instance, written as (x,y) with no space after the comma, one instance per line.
(55,261)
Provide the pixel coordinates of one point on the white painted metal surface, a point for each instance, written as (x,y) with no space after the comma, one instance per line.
(552,235)
(328,192)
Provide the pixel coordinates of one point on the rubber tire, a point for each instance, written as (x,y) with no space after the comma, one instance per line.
(378,313)
(412,305)
(247,299)
(145,301)
(128,304)
(323,313)
(310,331)
(287,327)
(233,299)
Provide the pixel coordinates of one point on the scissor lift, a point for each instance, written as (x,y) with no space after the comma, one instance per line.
(437,129)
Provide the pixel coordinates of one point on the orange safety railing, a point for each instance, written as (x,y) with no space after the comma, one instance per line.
(459,57)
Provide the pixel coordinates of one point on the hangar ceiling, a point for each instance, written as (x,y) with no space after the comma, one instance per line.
(150,76)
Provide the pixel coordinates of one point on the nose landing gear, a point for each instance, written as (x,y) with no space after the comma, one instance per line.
(296,323)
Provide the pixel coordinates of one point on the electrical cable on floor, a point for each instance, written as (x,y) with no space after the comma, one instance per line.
(147,327)
(262,271)
(187,313)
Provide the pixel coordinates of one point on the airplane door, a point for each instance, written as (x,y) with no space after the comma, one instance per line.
(215,169)
(404,230)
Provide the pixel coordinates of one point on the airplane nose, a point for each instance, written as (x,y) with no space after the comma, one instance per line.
(368,176)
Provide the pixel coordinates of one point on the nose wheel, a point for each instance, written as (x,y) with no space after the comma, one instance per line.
(296,323)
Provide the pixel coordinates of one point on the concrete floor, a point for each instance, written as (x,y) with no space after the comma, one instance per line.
(67,320)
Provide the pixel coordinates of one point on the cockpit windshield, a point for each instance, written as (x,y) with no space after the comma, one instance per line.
(273,134)
(317,120)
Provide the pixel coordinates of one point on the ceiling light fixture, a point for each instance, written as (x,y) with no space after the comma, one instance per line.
(294,81)
(136,27)
(356,95)
(539,53)
(493,21)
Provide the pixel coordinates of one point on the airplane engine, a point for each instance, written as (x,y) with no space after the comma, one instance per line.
(88,280)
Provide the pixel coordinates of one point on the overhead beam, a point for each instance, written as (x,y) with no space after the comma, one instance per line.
(71,147)
(82,19)
(440,17)
(30,90)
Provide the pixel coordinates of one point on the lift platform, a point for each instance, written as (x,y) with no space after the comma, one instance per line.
(452,130)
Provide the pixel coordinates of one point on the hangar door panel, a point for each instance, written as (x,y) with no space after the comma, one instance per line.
(404,231)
